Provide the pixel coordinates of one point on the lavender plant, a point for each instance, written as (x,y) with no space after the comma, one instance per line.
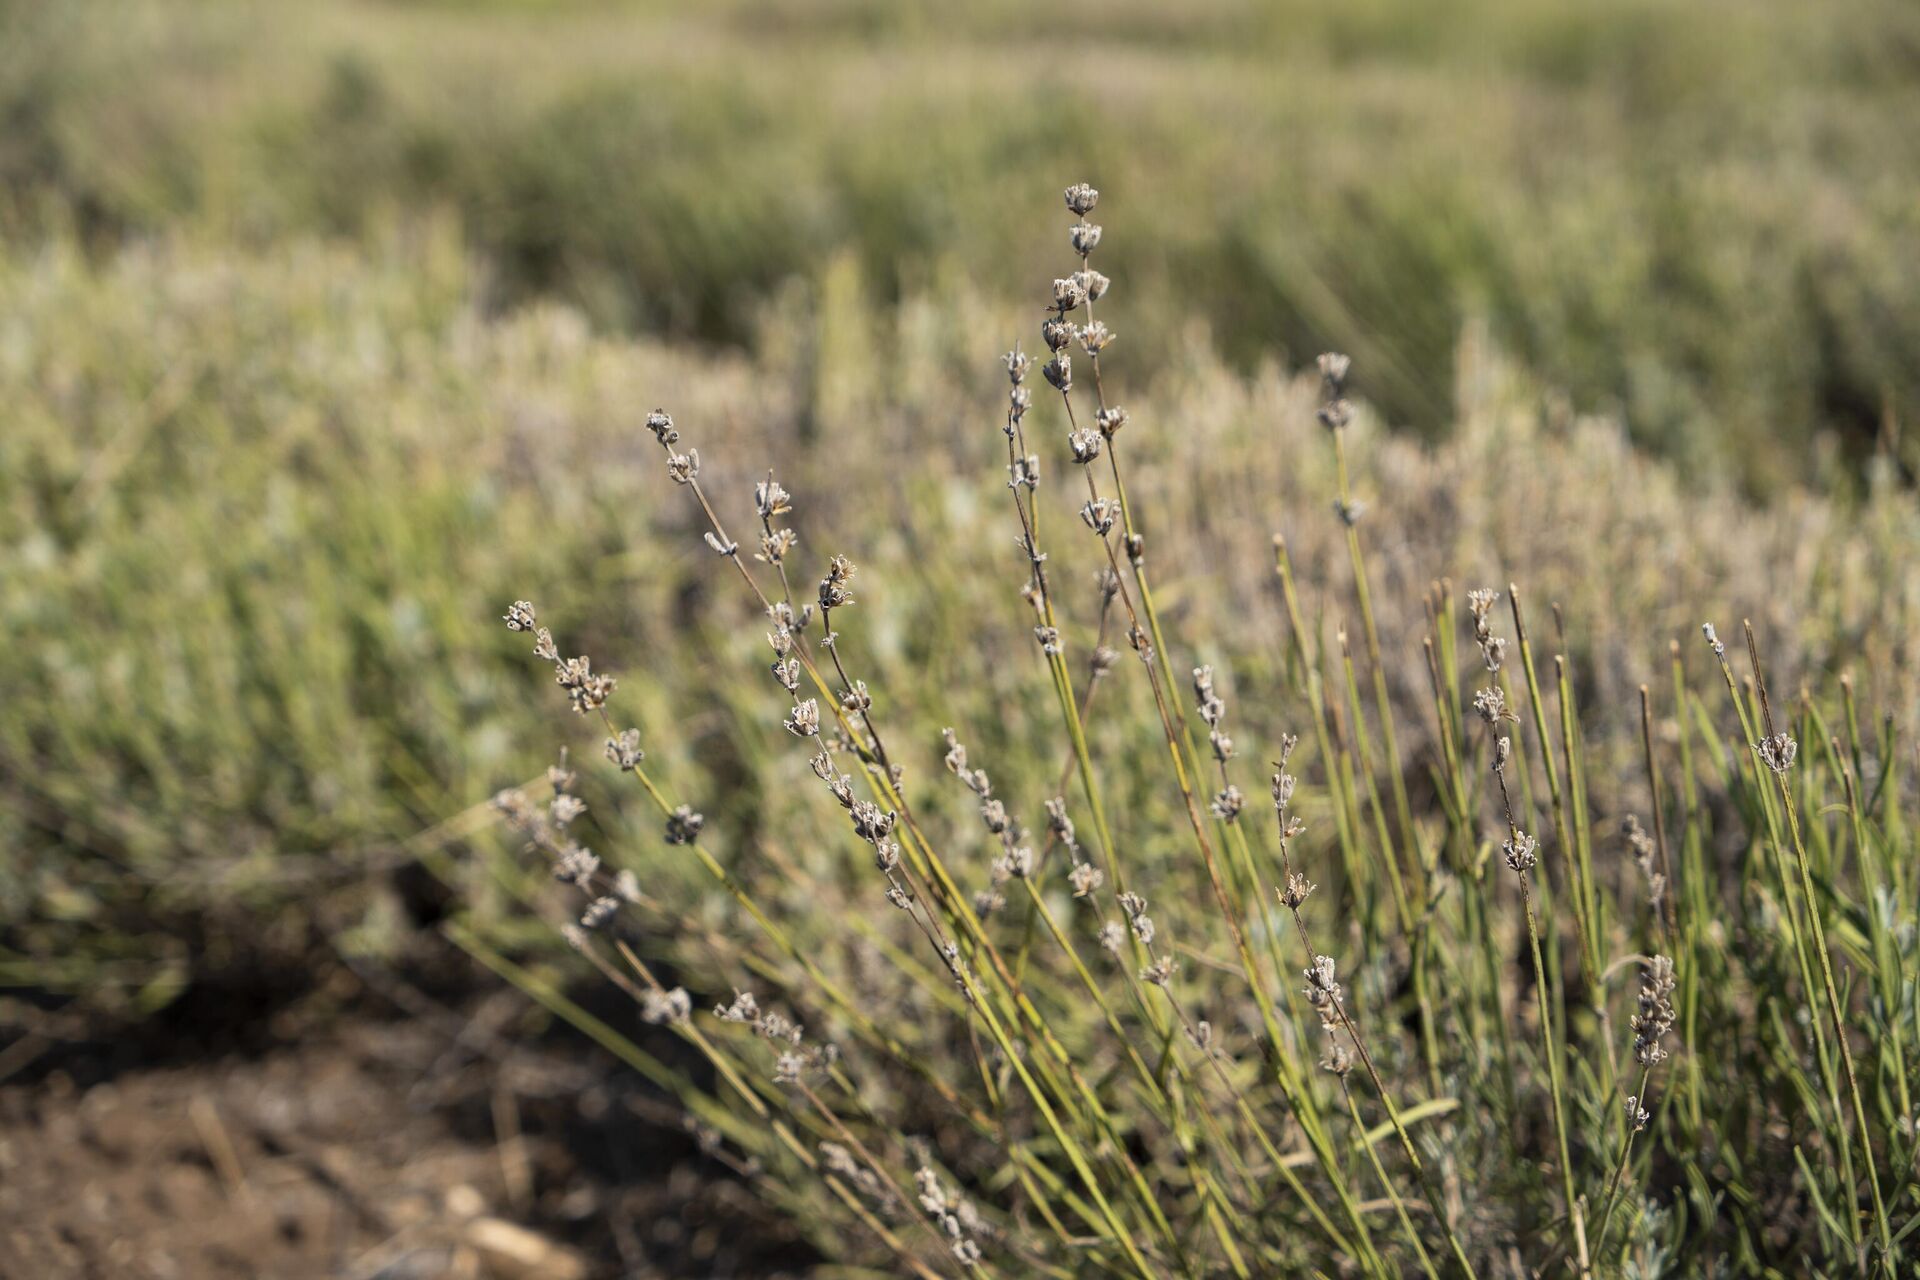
(1094,1052)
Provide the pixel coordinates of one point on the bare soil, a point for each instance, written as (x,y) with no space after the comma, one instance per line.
(368,1141)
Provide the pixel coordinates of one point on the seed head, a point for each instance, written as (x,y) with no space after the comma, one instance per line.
(1491,704)
(1017,864)
(1323,992)
(662,427)
(623,750)
(1059,373)
(1085,878)
(975,780)
(1068,294)
(1085,237)
(1320,977)
(684,468)
(1093,282)
(743,1009)
(770,499)
(520,616)
(659,1006)
(856,699)
(1208,702)
(683,825)
(870,822)
(1492,648)
(514,806)
(1333,371)
(784,618)
(805,720)
(994,814)
(1081,198)
(575,865)
(1059,823)
(1099,515)
(1777,751)
(1019,400)
(833,587)
(777,1026)
(1655,1016)
(775,545)
(1520,851)
(1110,420)
(586,691)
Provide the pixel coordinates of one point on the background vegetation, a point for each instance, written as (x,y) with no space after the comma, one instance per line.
(1694,217)
(327,330)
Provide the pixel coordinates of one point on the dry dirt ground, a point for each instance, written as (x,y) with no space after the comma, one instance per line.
(394,1138)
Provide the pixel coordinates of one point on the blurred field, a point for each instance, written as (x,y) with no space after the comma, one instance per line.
(326,331)
(1694,217)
